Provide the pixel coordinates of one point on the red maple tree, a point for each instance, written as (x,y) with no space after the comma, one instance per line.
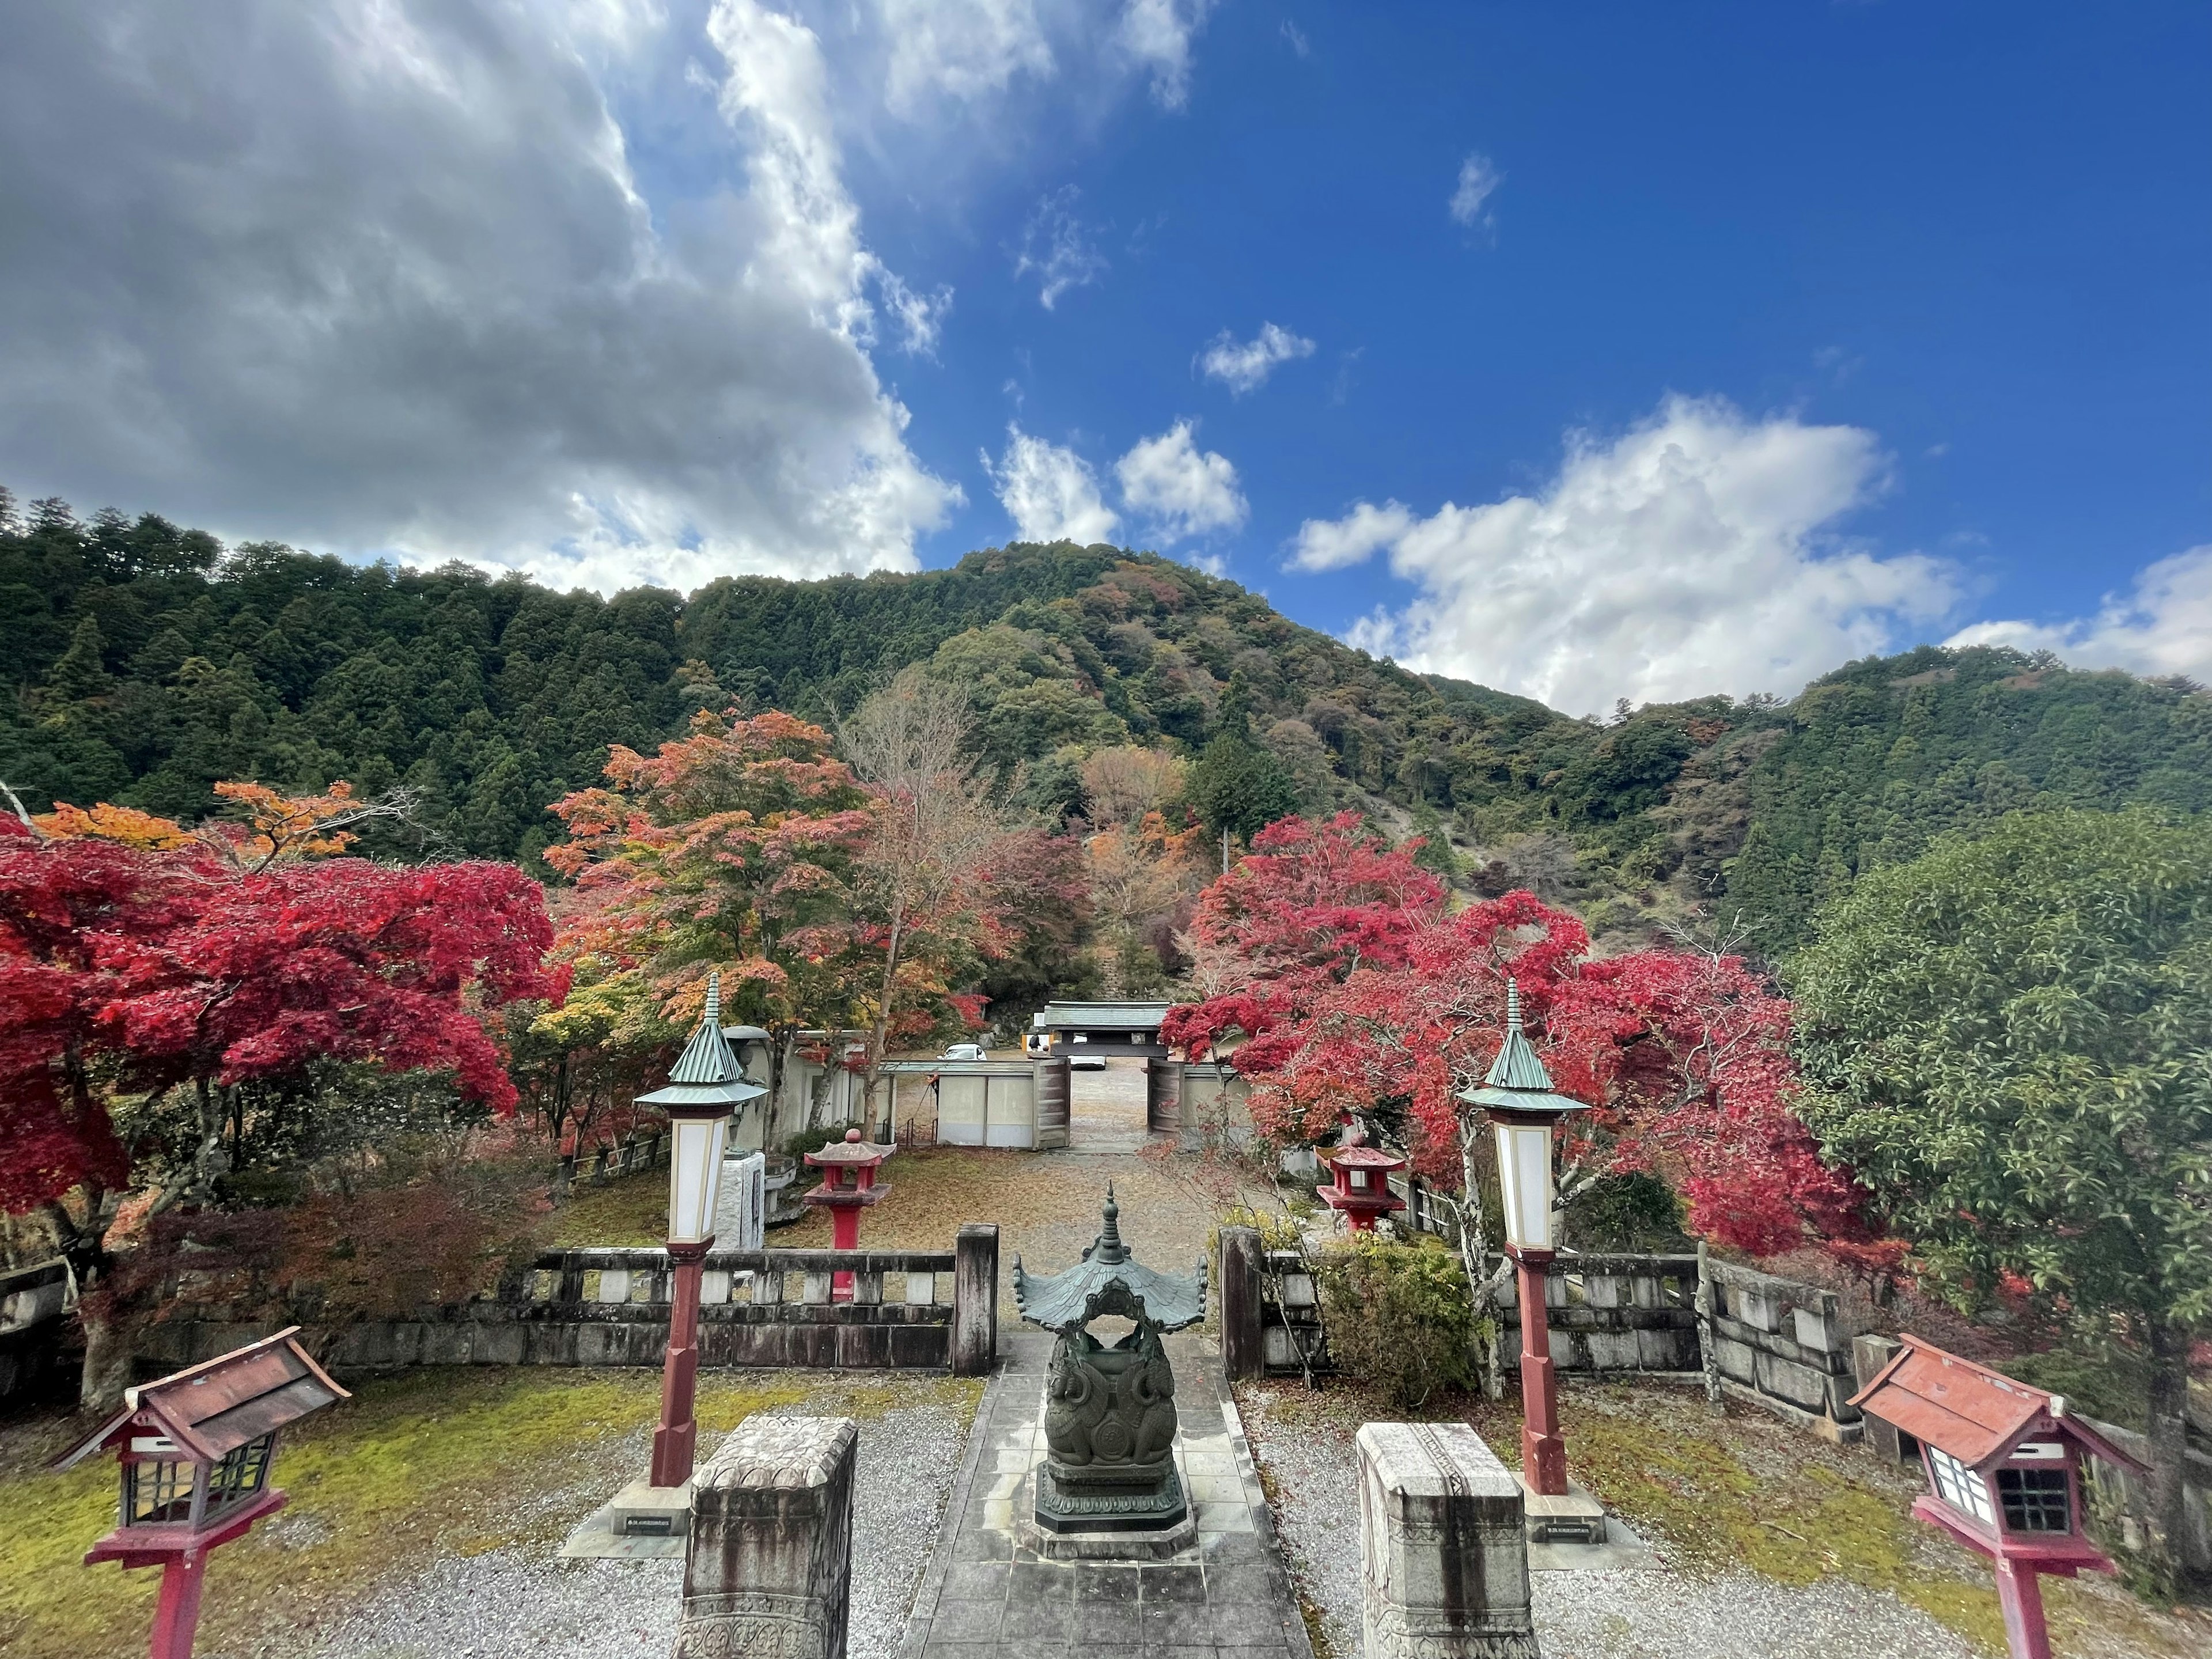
(1355,986)
(137,958)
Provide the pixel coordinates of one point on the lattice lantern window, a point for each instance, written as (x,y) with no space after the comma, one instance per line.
(1960,1486)
(158,1482)
(2036,1500)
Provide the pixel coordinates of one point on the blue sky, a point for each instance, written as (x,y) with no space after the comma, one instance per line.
(1762,336)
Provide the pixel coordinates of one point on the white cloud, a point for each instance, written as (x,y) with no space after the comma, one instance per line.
(1056,248)
(1367,530)
(1297,38)
(1183,492)
(1478,180)
(1693,554)
(2162,626)
(379,275)
(1050,493)
(1244,367)
(1157,33)
(963,49)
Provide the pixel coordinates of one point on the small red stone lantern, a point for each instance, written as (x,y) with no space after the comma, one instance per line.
(848,1187)
(196,1449)
(1359,1189)
(2004,1466)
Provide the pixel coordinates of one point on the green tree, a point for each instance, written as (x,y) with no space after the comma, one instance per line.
(2007,1038)
(1237,788)
(1435,852)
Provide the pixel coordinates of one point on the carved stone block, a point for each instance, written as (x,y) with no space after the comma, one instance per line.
(767,1571)
(1443,1546)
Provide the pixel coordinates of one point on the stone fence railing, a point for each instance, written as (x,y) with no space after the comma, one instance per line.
(33,1301)
(1781,1345)
(1766,1340)
(1614,1313)
(632,1154)
(910,1309)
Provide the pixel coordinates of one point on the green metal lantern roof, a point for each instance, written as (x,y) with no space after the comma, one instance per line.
(707,1073)
(1110,1279)
(1516,1080)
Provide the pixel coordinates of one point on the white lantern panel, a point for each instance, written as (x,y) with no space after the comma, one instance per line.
(1524,1180)
(695,1176)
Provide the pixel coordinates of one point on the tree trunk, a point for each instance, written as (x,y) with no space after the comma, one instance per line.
(107,1357)
(2169,1448)
(1475,1263)
(881,1035)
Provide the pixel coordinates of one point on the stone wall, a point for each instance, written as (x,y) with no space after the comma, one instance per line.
(1614,1313)
(1766,1340)
(1213,1103)
(910,1310)
(33,1328)
(1783,1346)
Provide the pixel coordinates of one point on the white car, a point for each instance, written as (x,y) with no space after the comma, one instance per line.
(964,1051)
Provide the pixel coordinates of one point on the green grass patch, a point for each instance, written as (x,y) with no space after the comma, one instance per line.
(629,1212)
(449,1461)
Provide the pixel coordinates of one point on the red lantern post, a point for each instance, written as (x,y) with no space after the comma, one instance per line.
(2004,1474)
(1517,1098)
(196,1449)
(848,1186)
(704,1087)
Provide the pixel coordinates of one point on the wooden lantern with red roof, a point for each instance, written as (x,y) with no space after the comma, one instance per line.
(2004,1471)
(196,1449)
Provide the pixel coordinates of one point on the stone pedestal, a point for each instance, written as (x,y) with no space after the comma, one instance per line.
(642,1509)
(1869,1355)
(741,1213)
(1443,1545)
(1572,1517)
(976,1299)
(768,1569)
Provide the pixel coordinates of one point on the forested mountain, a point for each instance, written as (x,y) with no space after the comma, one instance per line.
(148,663)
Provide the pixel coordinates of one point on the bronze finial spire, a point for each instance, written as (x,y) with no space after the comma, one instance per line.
(1109,1247)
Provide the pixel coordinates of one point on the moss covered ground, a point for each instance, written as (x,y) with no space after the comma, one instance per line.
(449,1461)
(1742,1490)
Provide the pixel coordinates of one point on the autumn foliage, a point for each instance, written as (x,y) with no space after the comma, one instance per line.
(1354,985)
(137,957)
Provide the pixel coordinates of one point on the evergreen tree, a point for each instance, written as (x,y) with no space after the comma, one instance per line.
(1238,788)
(2006,1038)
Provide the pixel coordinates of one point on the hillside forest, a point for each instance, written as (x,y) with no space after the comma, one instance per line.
(149,663)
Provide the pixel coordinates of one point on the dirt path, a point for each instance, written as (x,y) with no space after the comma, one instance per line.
(1106,1110)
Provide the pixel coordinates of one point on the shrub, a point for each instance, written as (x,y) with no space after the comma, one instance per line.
(1628,1211)
(808,1141)
(1398,1315)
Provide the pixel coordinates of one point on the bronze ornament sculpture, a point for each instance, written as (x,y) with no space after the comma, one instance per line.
(1109,1417)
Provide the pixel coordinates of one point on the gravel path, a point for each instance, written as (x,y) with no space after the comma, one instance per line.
(523,1603)
(1312,1473)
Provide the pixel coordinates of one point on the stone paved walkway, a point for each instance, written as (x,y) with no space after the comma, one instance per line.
(1106,1110)
(987,1596)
